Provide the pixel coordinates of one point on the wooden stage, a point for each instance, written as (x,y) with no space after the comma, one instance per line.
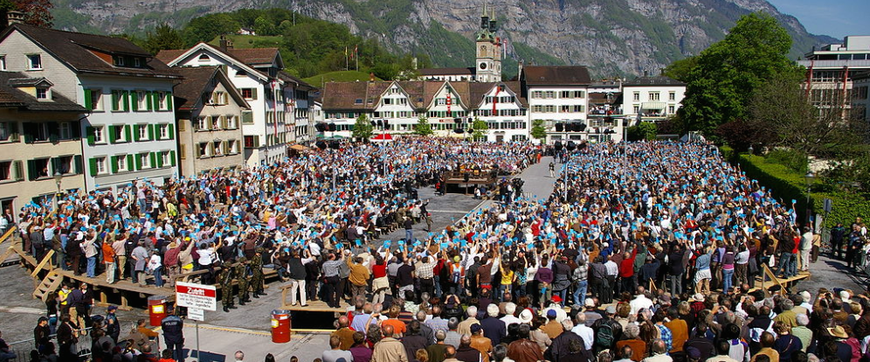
(474,178)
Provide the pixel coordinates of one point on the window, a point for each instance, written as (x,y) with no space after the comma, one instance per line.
(5,170)
(94,99)
(143,161)
(252,141)
(34,62)
(672,96)
(142,132)
(121,163)
(202,150)
(233,147)
(166,131)
(249,93)
(163,101)
(142,101)
(202,123)
(217,146)
(654,96)
(167,159)
(219,98)
(636,96)
(98,134)
(537,94)
(440,101)
(216,122)
(2,62)
(119,134)
(99,166)
(65,130)
(137,62)
(247,117)
(119,100)
(38,168)
(62,165)
(671,109)
(232,122)
(42,93)
(118,60)
(204,58)
(636,109)
(9,131)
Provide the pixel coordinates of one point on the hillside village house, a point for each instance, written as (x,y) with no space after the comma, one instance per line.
(128,130)
(209,111)
(270,92)
(40,142)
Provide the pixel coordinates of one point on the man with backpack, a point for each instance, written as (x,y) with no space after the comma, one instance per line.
(607,331)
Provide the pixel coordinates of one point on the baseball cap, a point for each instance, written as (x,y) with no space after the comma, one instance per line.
(551,313)
(112,307)
(610,310)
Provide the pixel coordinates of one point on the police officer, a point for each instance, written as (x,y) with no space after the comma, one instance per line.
(227,286)
(256,264)
(241,276)
(173,335)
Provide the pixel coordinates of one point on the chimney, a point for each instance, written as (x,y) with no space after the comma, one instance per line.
(10,17)
(372,77)
(225,44)
(519,69)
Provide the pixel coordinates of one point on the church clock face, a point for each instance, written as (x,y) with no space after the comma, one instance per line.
(482,66)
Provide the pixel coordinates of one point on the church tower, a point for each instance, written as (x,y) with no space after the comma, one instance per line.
(488,49)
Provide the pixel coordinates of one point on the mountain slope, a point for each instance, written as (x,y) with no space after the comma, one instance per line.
(613,37)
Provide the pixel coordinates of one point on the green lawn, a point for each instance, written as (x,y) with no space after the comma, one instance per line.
(337,76)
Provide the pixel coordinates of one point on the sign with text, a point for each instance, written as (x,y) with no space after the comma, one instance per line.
(196,314)
(199,296)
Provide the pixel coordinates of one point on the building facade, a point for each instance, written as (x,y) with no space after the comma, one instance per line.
(652,98)
(209,111)
(40,142)
(128,132)
(831,71)
(269,124)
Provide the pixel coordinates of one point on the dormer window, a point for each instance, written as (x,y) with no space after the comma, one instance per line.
(137,62)
(118,60)
(42,93)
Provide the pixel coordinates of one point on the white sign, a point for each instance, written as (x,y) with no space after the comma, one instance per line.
(199,296)
(196,314)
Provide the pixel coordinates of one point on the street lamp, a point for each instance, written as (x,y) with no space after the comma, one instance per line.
(751,150)
(58,179)
(809,177)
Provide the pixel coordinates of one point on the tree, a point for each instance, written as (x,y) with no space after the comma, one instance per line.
(164,37)
(727,73)
(784,116)
(680,69)
(478,129)
(643,131)
(36,12)
(362,129)
(206,28)
(538,130)
(423,128)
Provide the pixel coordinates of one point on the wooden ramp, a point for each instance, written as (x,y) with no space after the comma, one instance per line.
(313,306)
(768,280)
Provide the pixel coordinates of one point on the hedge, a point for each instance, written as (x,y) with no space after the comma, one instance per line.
(787,185)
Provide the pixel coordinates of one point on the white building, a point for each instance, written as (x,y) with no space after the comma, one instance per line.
(558,96)
(652,98)
(255,72)
(832,68)
(503,109)
(861,96)
(129,130)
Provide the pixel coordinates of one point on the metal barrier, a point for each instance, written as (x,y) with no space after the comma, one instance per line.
(22,349)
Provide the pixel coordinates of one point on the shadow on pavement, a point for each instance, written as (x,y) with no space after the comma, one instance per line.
(206,356)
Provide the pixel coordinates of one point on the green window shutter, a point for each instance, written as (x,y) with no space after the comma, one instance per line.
(112,138)
(169,100)
(91,134)
(247,117)
(138,161)
(256,141)
(153,156)
(126,98)
(92,164)
(171,131)
(114,100)
(254,94)
(172,158)
(134,99)
(31,170)
(114,161)
(127,133)
(159,157)
(151,132)
(14,136)
(149,99)
(197,152)
(77,164)
(130,160)
(19,173)
(155,100)
(136,133)
(88,101)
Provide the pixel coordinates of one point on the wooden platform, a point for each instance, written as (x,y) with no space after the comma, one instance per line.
(474,178)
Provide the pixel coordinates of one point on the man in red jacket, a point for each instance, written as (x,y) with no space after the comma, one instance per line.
(626,271)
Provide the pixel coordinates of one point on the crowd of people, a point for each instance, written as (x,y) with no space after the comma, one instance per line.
(644,251)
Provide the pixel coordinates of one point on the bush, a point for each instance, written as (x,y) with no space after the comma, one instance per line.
(795,160)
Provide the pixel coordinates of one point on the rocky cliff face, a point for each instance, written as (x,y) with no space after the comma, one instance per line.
(613,37)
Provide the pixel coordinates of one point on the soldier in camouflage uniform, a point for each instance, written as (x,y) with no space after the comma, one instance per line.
(226,280)
(257,269)
(241,276)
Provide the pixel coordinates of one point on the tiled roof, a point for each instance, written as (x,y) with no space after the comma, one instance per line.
(75,49)
(287,77)
(196,81)
(169,55)
(653,81)
(556,75)
(12,97)
(344,95)
(254,56)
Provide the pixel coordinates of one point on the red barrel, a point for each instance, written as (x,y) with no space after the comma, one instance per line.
(156,309)
(281,323)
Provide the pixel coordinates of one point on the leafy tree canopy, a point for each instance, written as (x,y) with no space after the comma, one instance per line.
(36,12)
(162,38)
(727,73)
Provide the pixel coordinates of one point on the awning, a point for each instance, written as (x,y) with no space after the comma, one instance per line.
(298,147)
(653,105)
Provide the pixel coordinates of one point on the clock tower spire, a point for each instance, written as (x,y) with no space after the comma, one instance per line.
(488,48)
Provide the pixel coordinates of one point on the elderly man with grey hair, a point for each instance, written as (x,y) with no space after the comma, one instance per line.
(453,337)
(787,316)
(802,332)
(465,326)
(566,345)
